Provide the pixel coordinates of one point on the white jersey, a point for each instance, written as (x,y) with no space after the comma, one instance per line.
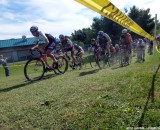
(40,36)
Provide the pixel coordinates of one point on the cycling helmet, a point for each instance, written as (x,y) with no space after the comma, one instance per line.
(61,36)
(92,40)
(100,33)
(124,31)
(34,29)
(140,40)
(158,37)
(116,45)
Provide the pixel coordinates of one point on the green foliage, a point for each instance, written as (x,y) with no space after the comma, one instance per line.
(142,18)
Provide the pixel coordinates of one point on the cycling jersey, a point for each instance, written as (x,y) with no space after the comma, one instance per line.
(125,39)
(67,45)
(104,39)
(44,37)
(78,48)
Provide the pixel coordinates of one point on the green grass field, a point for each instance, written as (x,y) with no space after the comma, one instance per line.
(114,98)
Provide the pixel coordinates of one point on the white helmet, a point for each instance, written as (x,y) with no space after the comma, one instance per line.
(124,31)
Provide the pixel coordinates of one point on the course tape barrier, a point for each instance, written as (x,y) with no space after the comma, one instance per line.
(110,11)
(158,49)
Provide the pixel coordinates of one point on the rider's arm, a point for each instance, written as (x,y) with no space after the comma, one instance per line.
(44,38)
(69,44)
(36,45)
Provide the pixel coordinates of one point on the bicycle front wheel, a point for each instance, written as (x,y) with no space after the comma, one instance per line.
(62,64)
(34,69)
(100,60)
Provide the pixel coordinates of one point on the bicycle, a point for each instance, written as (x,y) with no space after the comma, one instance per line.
(101,58)
(35,67)
(79,62)
(125,56)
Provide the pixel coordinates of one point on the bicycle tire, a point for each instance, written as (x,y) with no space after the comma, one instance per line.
(121,59)
(35,73)
(91,58)
(100,61)
(62,61)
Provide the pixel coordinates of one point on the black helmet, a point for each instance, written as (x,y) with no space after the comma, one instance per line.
(34,29)
(92,40)
(61,36)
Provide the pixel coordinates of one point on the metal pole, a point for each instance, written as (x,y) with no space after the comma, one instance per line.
(154,45)
(154,64)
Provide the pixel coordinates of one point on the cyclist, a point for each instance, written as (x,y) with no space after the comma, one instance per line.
(47,47)
(79,50)
(150,48)
(158,41)
(140,50)
(94,46)
(117,48)
(104,41)
(112,50)
(67,46)
(126,40)
(134,45)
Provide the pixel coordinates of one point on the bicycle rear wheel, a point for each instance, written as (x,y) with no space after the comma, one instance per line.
(34,69)
(100,60)
(62,64)
(121,59)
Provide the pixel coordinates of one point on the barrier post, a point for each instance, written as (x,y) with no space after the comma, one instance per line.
(154,64)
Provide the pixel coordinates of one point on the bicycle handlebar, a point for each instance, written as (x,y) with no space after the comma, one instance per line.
(36,49)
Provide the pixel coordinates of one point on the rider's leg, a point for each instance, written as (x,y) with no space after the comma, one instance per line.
(144,55)
(50,54)
(45,59)
(73,56)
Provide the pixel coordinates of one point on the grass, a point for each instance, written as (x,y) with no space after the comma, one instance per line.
(87,99)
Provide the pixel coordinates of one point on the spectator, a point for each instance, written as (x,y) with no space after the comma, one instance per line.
(3,61)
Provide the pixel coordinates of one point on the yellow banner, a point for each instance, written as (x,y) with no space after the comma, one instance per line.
(110,11)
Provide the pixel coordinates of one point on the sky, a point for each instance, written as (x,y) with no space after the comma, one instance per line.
(55,16)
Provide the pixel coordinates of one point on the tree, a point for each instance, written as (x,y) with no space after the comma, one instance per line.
(142,18)
(108,26)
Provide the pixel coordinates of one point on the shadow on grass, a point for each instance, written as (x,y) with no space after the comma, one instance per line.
(144,109)
(26,83)
(88,72)
(150,95)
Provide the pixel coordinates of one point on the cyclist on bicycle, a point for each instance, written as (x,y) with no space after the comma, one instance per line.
(79,50)
(125,40)
(104,41)
(140,50)
(94,45)
(117,48)
(125,43)
(67,46)
(112,50)
(47,48)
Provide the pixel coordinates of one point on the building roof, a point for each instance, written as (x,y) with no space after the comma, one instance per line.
(18,42)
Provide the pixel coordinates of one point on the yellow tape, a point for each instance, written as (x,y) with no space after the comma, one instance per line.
(158,49)
(110,11)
